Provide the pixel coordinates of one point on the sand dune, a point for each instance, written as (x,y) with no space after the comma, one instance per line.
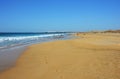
(91,56)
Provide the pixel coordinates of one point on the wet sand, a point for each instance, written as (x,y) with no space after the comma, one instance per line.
(8,57)
(91,56)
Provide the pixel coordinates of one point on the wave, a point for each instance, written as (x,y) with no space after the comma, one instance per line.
(27,37)
(20,40)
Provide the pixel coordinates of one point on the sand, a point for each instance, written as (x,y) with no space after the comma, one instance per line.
(91,56)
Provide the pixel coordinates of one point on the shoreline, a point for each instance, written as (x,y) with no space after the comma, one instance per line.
(9,55)
(90,56)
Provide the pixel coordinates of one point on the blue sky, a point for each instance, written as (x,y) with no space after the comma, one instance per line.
(59,15)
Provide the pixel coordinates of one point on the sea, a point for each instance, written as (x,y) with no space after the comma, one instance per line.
(12,45)
(8,40)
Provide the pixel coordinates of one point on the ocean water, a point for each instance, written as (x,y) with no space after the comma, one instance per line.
(8,40)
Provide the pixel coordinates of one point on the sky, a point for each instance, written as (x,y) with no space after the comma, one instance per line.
(59,15)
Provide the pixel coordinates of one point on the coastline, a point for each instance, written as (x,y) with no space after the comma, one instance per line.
(94,56)
(9,55)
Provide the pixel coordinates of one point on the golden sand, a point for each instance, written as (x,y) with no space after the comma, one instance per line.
(92,56)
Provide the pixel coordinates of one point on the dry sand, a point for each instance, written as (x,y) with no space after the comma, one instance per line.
(92,56)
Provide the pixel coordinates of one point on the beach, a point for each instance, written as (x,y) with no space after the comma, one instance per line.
(12,45)
(89,56)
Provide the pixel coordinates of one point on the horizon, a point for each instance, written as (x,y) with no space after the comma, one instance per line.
(63,31)
(59,15)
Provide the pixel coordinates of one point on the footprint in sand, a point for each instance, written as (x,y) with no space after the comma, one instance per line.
(60,76)
(46,61)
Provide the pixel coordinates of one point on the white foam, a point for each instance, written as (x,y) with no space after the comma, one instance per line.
(2,39)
